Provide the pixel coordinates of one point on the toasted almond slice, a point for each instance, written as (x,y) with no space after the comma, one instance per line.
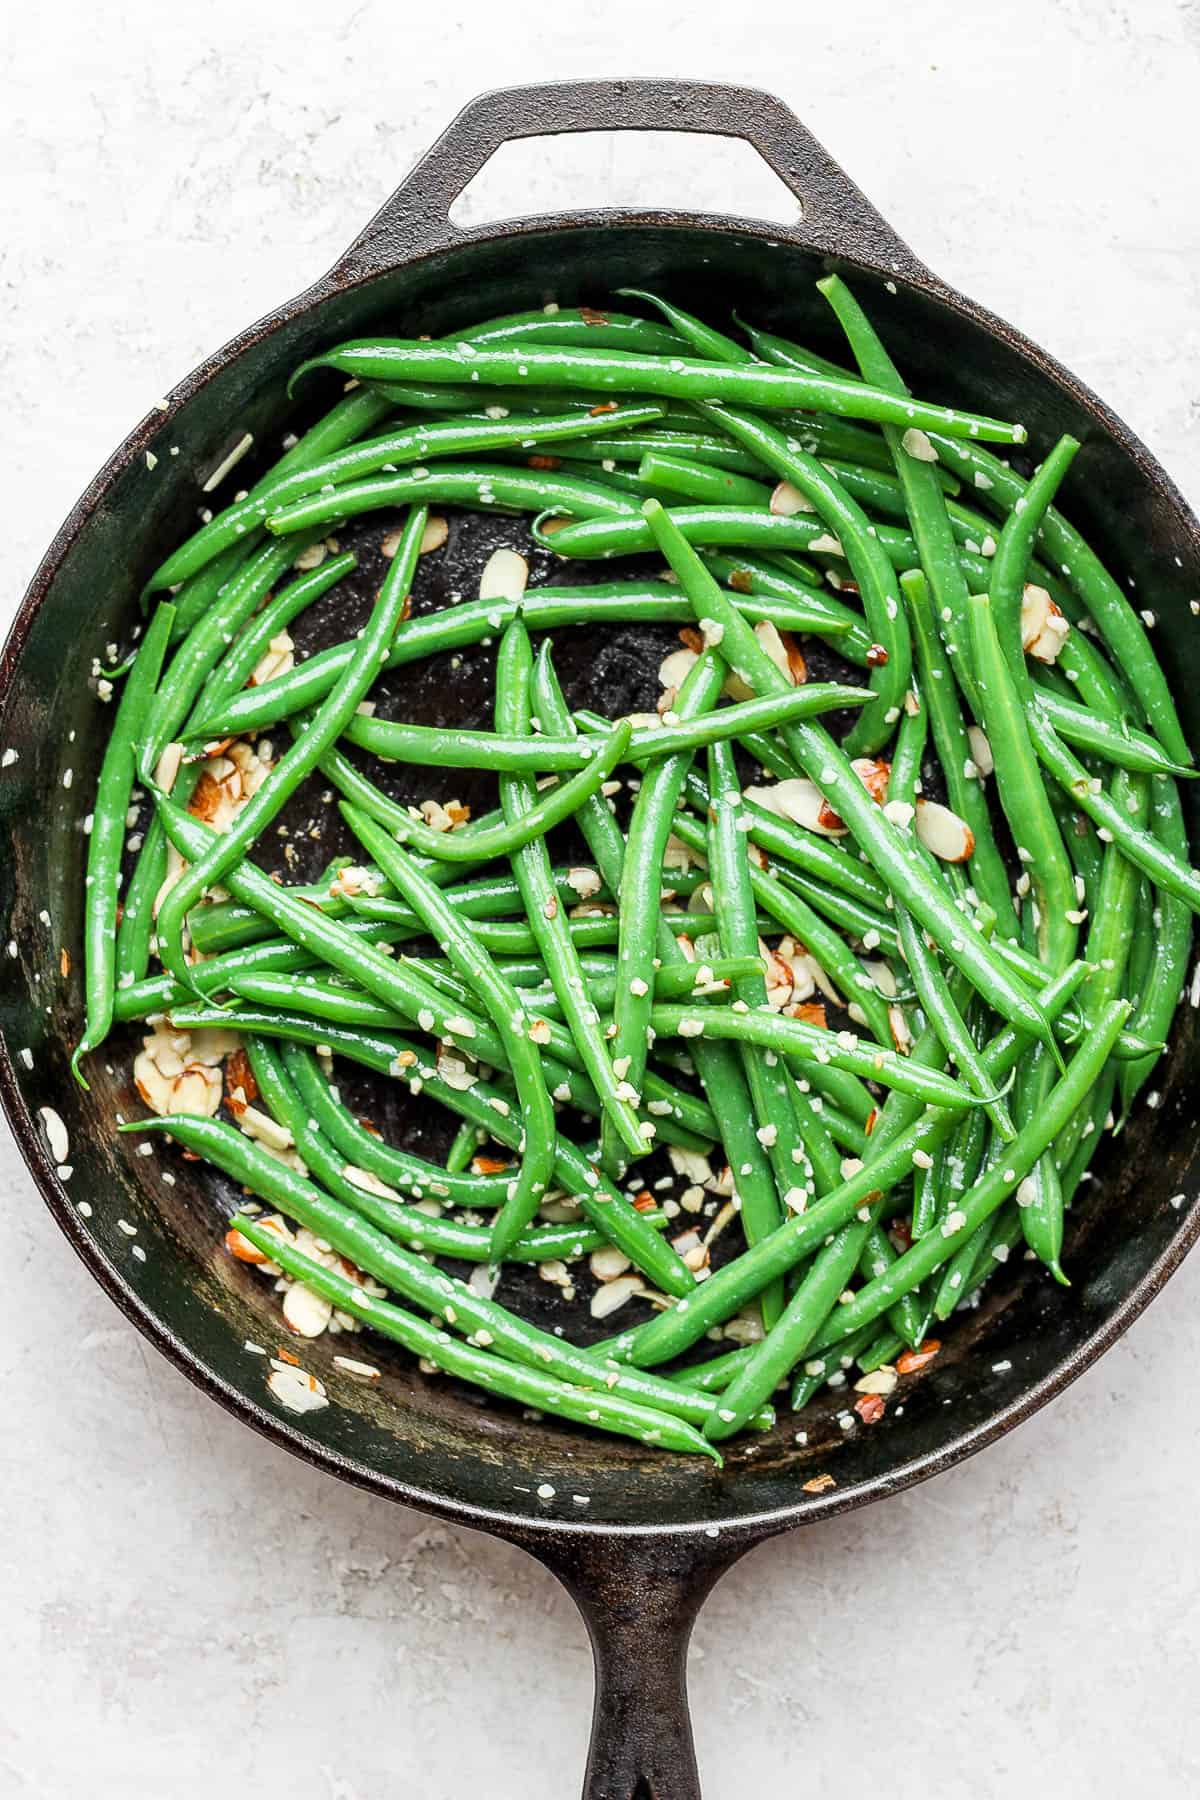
(306,1312)
(1044,626)
(943,832)
(879,1381)
(801,801)
(786,499)
(613,1294)
(918,445)
(505,576)
(675,668)
(874,774)
(981,750)
(901,1031)
(434,535)
(690,1164)
(298,1391)
(608,1263)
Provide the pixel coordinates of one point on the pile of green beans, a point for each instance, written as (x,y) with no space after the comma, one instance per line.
(778,1018)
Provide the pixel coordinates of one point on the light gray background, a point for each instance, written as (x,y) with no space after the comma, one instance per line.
(186,1610)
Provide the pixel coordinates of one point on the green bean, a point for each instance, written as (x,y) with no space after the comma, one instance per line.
(765,581)
(1162,988)
(1165,869)
(446,1298)
(937,1003)
(552,806)
(543,609)
(412,1226)
(711,1376)
(717,1065)
(700,481)
(876,1297)
(967,1266)
(204,645)
(795,915)
(1089,674)
(814,1313)
(924,500)
(785,1343)
(1118,744)
(649,828)
(445,747)
(106,842)
(410,444)
(194,597)
(1120,627)
(1002,1179)
(822,858)
(1021,794)
(871,568)
(828,766)
(399,984)
(513,1381)
(297,764)
(419,1179)
(484,486)
(964,783)
(674,377)
(254,639)
(485,1105)
(809,1043)
(731,1287)
(513,937)
(465,1143)
(786,1122)
(603,535)
(908,1318)
(1014,552)
(875,930)
(227,924)
(229,674)
(515,1027)
(270,956)
(531,866)
(908,750)
(817,1370)
(576,325)
(684,440)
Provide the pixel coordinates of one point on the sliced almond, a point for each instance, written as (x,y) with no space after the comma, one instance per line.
(608,1263)
(297,1390)
(874,774)
(981,750)
(690,1164)
(786,500)
(801,801)
(675,668)
(434,535)
(614,1294)
(918,445)
(305,1311)
(505,576)
(943,832)
(1044,626)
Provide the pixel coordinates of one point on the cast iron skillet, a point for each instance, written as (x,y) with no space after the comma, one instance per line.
(643,1545)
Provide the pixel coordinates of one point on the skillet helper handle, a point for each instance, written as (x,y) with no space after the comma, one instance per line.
(838,219)
(639,1597)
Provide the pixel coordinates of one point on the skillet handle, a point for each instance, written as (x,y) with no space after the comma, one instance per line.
(639,1598)
(838,219)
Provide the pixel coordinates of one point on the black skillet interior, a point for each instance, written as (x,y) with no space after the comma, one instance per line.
(420,1439)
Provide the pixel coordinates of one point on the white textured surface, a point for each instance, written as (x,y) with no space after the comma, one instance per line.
(188,1611)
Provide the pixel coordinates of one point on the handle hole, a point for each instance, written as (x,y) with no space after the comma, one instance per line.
(675,171)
